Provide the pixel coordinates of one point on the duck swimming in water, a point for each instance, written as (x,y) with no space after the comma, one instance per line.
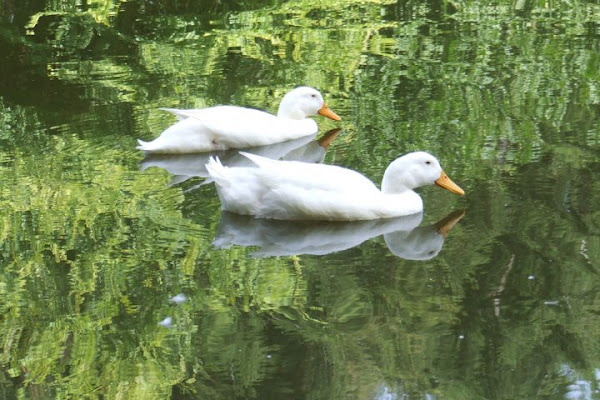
(233,127)
(297,190)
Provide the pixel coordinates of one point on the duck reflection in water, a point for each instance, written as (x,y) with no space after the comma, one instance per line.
(186,166)
(403,235)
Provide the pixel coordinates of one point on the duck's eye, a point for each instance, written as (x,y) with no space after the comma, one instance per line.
(428,162)
(313,95)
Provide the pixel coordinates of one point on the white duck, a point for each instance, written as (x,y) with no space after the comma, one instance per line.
(233,127)
(297,190)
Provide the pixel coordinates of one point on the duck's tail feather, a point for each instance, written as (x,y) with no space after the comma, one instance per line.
(216,171)
(180,114)
(142,145)
(147,147)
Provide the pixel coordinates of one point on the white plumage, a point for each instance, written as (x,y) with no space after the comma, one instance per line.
(297,190)
(233,127)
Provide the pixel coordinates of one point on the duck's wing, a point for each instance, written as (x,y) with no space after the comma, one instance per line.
(329,178)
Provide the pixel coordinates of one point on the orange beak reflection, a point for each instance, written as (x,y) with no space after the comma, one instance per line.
(445,225)
(446,183)
(328,137)
(326,112)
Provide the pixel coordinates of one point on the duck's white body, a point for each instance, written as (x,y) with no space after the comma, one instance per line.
(297,190)
(232,127)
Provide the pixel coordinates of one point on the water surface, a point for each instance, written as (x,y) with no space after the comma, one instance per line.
(111,286)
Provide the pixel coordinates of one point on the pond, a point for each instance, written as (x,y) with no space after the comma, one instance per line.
(120,277)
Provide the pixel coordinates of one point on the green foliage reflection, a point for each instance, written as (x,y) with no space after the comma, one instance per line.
(92,250)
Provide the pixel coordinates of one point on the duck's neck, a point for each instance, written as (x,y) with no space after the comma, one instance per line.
(397,179)
(290,109)
(290,113)
(396,204)
(397,186)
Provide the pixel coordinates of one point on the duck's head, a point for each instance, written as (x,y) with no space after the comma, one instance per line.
(304,102)
(414,170)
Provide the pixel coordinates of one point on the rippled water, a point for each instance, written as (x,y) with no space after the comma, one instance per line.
(121,278)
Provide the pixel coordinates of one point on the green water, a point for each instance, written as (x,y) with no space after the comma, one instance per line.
(95,242)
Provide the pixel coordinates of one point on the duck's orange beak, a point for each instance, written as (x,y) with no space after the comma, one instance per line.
(446,183)
(326,112)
